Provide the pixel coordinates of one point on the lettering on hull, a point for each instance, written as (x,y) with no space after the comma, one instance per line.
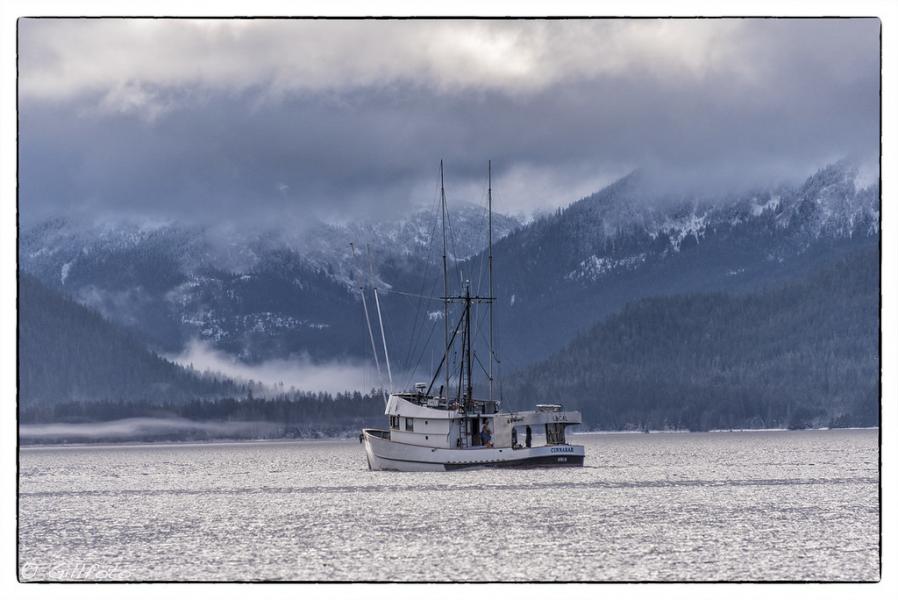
(524,463)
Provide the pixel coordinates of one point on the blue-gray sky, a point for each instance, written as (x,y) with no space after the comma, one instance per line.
(286,120)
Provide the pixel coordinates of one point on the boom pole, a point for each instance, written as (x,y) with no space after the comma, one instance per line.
(368,321)
(380,319)
(383,338)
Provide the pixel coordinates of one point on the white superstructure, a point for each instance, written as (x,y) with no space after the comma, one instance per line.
(445,436)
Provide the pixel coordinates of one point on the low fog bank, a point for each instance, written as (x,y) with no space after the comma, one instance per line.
(279,375)
(151,429)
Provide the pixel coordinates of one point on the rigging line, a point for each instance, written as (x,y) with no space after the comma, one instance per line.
(368,321)
(478,323)
(421,323)
(461,279)
(419,320)
(482,368)
(413,339)
(371,334)
(499,378)
(410,299)
(411,347)
(483,217)
(444,360)
(383,334)
(423,352)
(415,295)
(383,338)
(380,377)
(482,336)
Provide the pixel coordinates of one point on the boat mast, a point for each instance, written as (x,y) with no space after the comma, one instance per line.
(445,285)
(490,264)
(469,388)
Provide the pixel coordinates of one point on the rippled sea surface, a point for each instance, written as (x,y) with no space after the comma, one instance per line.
(703,506)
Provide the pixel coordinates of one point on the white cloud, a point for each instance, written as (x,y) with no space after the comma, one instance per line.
(531,188)
(133,98)
(341,119)
(124,60)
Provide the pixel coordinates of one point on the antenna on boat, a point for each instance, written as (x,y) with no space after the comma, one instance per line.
(368,321)
(490,265)
(445,282)
(380,319)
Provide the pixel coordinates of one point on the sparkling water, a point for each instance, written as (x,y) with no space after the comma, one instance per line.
(664,506)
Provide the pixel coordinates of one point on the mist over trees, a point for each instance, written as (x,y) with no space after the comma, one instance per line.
(70,353)
(77,367)
(291,415)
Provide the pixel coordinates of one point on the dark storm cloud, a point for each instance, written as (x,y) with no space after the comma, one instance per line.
(220,125)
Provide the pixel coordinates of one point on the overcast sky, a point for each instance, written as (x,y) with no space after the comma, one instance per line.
(290,120)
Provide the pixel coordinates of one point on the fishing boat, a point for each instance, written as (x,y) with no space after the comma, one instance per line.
(444,429)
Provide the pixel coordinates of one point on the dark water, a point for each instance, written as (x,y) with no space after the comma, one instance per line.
(714,506)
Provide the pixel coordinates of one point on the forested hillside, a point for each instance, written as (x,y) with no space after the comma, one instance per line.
(76,367)
(70,353)
(803,354)
(565,272)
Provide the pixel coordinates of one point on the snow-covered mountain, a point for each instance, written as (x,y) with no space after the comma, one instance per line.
(828,205)
(571,269)
(413,239)
(261,294)
(255,293)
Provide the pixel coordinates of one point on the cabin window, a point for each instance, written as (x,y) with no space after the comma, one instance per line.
(394,422)
(409,424)
(554,433)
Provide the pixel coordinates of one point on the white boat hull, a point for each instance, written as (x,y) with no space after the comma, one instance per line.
(386,455)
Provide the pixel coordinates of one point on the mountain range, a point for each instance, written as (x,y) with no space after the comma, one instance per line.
(272,294)
(256,294)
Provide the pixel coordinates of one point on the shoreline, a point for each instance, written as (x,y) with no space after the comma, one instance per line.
(124,443)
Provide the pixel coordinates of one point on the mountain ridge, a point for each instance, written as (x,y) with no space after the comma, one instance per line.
(588,260)
(260,296)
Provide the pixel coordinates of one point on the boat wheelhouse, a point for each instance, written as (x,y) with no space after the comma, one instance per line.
(442,431)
